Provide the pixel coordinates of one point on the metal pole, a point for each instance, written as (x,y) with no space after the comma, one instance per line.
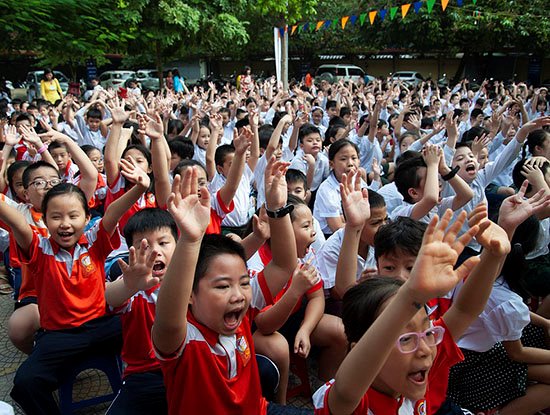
(284,59)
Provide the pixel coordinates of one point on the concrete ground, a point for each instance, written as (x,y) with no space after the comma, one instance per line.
(89,383)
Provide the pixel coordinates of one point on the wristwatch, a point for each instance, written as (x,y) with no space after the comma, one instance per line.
(279,213)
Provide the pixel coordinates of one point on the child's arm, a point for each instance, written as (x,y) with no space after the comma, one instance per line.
(310,173)
(463,192)
(216,127)
(355,202)
(276,135)
(299,122)
(432,155)
(254,119)
(260,234)
(152,127)
(136,276)
(228,190)
(17,224)
(119,207)
(305,277)
(283,242)
(432,275)
(195,128)
(113,151)
(192,215)
(315,309)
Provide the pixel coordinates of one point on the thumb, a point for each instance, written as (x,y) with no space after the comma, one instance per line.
(467,267)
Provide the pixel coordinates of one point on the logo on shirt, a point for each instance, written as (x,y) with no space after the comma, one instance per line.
(87,265)
(420,407)
(244,350)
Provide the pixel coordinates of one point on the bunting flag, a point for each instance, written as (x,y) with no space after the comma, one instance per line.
(362,18)
(405,9)
(383,14)
(417,5)
(474,1)
(293,29)
(319,24)
(282,31)
(393,12)
(372,15)
(344,21)
(327,24)
(305,27)
(444,4)
(459,3)
(430,4)
(353,19)
(312,27)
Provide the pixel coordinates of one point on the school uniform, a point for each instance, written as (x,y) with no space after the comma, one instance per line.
(143,390)
(71,297)
(68,175)
(199,154)
(85,135)
(240,215)
(211,373)
(406,209)
(377,403)
(321,169)
(391,196)
(218,211)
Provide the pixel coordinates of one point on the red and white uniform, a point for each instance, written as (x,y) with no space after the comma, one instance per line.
(218,210)
(70,285)
(216,374)
(377,403)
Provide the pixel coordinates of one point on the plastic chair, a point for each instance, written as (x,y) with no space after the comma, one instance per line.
(111,365)
(298,366)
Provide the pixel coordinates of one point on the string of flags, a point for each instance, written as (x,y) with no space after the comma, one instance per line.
(371,15)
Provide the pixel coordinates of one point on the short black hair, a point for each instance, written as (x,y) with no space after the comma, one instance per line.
(94,113)
(14,168)
(33,167)
(338,145)
(295,201)
(65,189)
(308,129)
(361,304)
(376,200)
(244,122)
(176,125)
(149,220)
(475,112)
(54,145)
(406,176)
(294,176)
(403,234)
(330,104)
(518,177)
(184,164)
(222,152)
(182,146)
(264,132)
(212,246)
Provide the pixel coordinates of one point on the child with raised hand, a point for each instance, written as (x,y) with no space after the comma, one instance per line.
(71,295)
(207,301)
(407,368)
(417,181)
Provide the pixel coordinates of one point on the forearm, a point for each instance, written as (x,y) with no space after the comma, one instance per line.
(112,155)
(251,244)
(254,149)
(430,196)
(210,156)
(19,227)
(346,270)
(276,316)
(314,312)
(463,192)
(88,173)
(530,355)
(160,171)
(120,206)
(117,293)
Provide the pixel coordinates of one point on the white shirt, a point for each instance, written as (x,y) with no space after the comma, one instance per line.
(240,214)
(321,172)
(392,197)
(406,208)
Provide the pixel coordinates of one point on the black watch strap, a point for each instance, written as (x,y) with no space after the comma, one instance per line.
(451,174)
(279,213)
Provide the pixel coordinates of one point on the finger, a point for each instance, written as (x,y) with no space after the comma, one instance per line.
(467,267)
(150,261)
(430,230)
(132,255)
(185,188)
(455,227)
(194,181)
(523,189)
(357,179)
(142,253)
(465,239)
(439,233)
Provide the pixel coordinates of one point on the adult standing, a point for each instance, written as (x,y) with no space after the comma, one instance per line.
(178,82)
(50,88)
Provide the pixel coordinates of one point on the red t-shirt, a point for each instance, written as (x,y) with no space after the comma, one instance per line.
(218,211)
(377,403)
(70,285)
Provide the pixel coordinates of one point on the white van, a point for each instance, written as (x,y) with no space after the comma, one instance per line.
(336,72)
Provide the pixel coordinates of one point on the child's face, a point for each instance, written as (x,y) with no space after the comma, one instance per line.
(224,168)
(96,158)
(225,118)
(44,112)
(66,219)
(297,189)
(202,180)
(61,157)
(174,161)
(304,232)
(204,138)
(312,144)
(162,241)
(93,123)
(544,148)
(17,185)
(468,164)
(405,143)
(35,196)
(483,157)
(406,374)
(139,158)
(223,295)
(397,264)
(251,106)
(345,161)
(417,193)
(317,117)
(332,112)
(378,217)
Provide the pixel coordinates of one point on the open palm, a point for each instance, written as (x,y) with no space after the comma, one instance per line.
(354,200)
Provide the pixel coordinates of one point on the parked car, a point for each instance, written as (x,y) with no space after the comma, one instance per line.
(336,72)
(148,78)
(34,78)
(408,77)
(115,79)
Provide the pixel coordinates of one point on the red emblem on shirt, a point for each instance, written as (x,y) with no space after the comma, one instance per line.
(244,350)
(420,407)
(87,265)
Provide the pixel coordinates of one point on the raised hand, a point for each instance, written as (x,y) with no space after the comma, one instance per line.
(260,225)
(275,184)
(480,143)
(243,141)
(491,236)
(138,274)
(30,136)
(532,125)
(10,136)
(516,209)
(133,173)
(116,109)
(431,154)
(355,200)
(151,126)
(433,273)
(305,277)
(190,210)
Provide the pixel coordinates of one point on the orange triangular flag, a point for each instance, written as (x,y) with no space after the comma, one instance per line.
(344,21)
(372,15)
(444,4)
(405,9)
(319,24)
(293,29)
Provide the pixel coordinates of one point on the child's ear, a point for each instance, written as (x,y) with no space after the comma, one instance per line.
(412,193)
(26,194)
(308,196)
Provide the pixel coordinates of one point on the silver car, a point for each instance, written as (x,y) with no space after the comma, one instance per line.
(148,78)
(115,79)
(409,78)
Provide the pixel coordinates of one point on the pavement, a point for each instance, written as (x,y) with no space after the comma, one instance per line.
(90,383)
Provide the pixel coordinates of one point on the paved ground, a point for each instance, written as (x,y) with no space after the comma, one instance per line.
(90,383)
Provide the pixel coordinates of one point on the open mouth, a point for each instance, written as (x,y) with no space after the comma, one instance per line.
(232,319)
(418,378)
(470,168)
(65,235)
(159,268)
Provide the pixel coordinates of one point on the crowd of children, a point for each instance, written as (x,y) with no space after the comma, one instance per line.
(398,235)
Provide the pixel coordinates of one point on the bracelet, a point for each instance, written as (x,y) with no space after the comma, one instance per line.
(42,149)
(451,174)
(279,213)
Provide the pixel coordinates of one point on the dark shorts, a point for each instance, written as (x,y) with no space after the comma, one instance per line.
(25,301)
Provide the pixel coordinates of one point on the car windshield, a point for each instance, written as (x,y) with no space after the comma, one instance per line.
(355,72)
(122,75)
(404,75)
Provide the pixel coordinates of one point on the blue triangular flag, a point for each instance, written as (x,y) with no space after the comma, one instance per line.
(306,26)
(327,24)
(382,14)
(353,19)
(417,5)
(459,3)
(282,31)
